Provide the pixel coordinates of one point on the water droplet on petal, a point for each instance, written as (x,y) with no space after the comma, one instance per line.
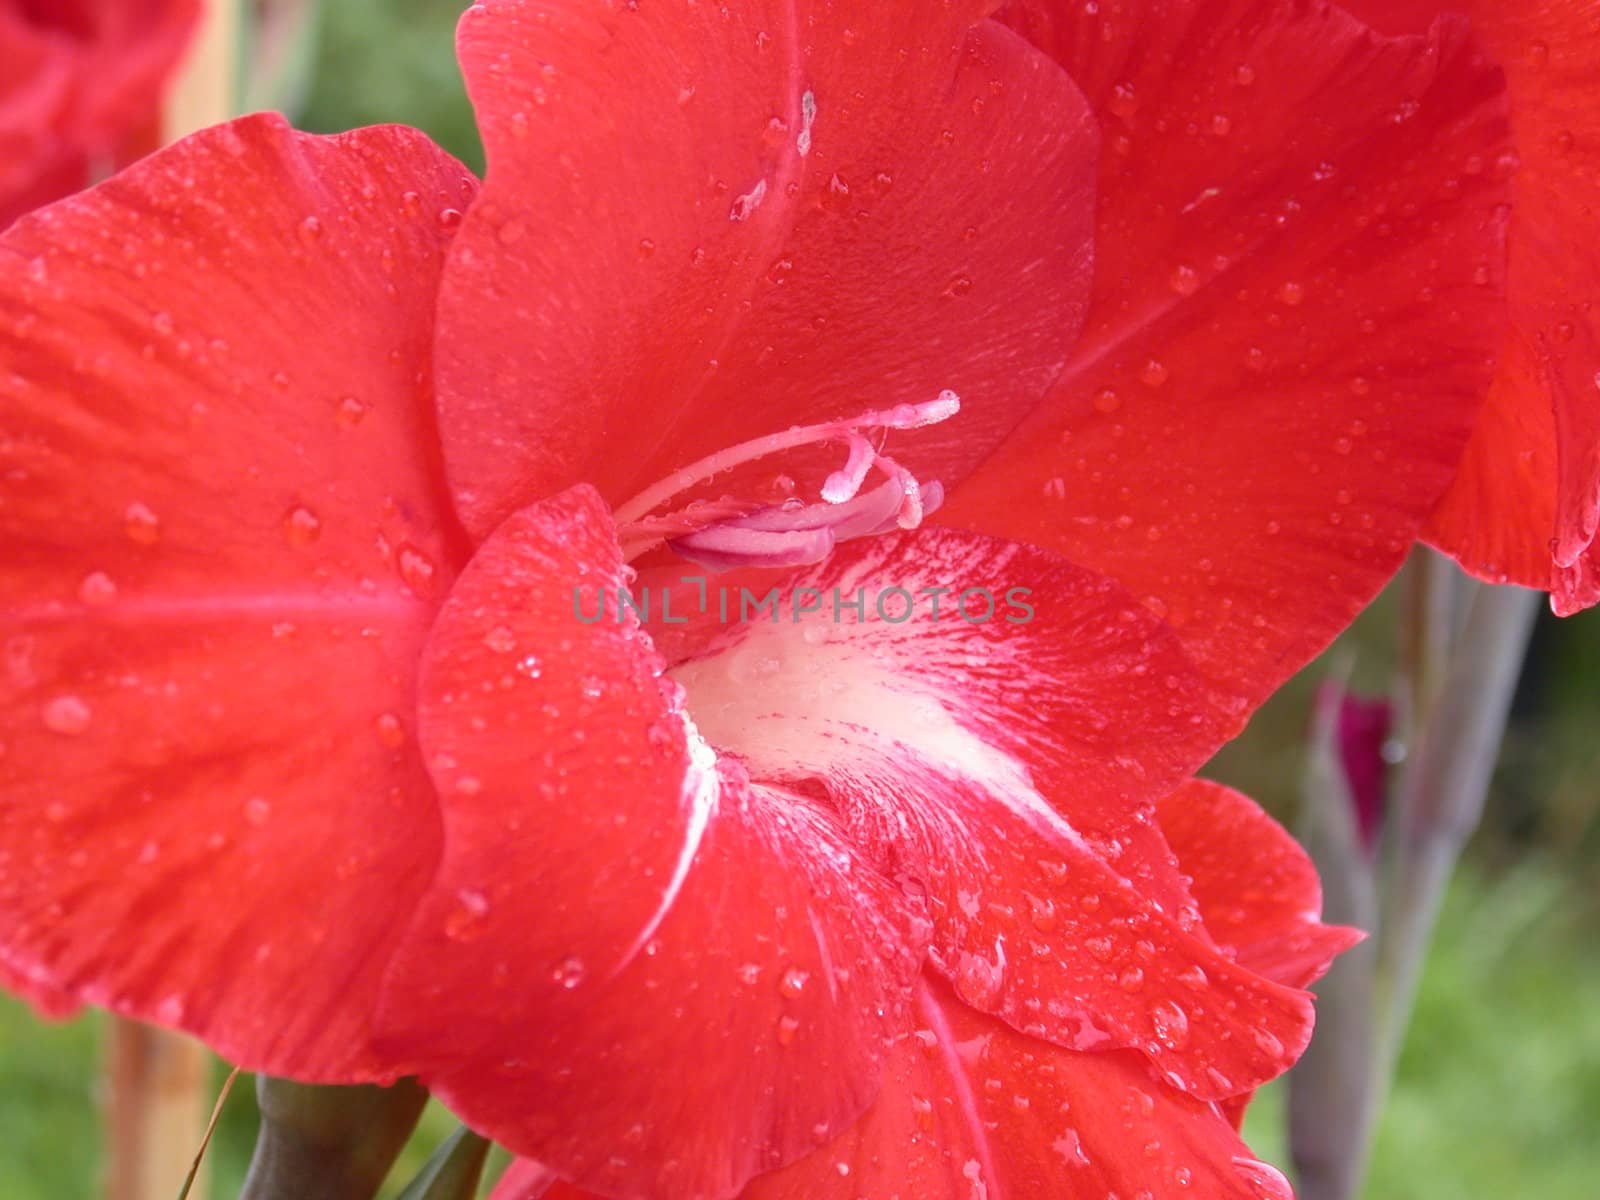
(302,527)
(310,230)
(97,589)
(501,639)
(793,982)
(1171,1024)
(416,570)
(349,412)
(67,715)
(569,972)
(389,730)
(141,525)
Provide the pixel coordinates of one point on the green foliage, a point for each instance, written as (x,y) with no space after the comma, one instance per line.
(387,61)
(1500,1078)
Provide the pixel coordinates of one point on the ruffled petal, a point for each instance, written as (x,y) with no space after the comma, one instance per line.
(634,966)
(1534,467)
(1299,291)
(703,223)
(225,530)
(973,1109)
(1257,889)
(1004,757)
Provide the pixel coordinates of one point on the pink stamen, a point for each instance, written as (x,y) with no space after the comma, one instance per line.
(726,533)
(844,483)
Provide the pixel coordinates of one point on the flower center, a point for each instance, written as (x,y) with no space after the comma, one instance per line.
(728,533)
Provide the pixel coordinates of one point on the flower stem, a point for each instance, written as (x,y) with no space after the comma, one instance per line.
(206,89)
(1442,794)
(1462,648)
(328,1143)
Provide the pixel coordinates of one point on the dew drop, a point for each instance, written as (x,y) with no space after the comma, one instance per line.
(1184,280)
(500,639)
(67,715)
(1123,102)
(257,811)
(787,1028)
(310,230)
(97,589)
(1107,401)
(793,982)
(1171,1024)
(141,525)
(569,972)
(449,218)
(959,286)
(1292,293)
(349,412)
(301,527)
(1154,373)
(416,570)
(389,730)
(466,919)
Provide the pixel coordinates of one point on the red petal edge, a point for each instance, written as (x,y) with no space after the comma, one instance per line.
(1298,295)
(224,527)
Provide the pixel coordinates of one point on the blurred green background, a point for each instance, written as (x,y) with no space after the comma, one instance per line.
(1499,1086)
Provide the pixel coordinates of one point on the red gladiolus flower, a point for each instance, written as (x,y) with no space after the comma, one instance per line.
(80,81)
(315,466)
(1529,488)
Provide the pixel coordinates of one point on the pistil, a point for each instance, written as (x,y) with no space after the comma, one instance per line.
(727,533)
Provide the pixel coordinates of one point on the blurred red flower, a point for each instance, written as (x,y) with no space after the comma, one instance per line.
(309,452)
(80,85)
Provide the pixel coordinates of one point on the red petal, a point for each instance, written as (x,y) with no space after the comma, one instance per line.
(972,1109)
(217,475)
(1539,445)
(46,998)
(1008,767)
(1258,891)
(634,965)
(1289,334)
(706,223)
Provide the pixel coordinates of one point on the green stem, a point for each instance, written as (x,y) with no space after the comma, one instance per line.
(1442,794)
(328,1143)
